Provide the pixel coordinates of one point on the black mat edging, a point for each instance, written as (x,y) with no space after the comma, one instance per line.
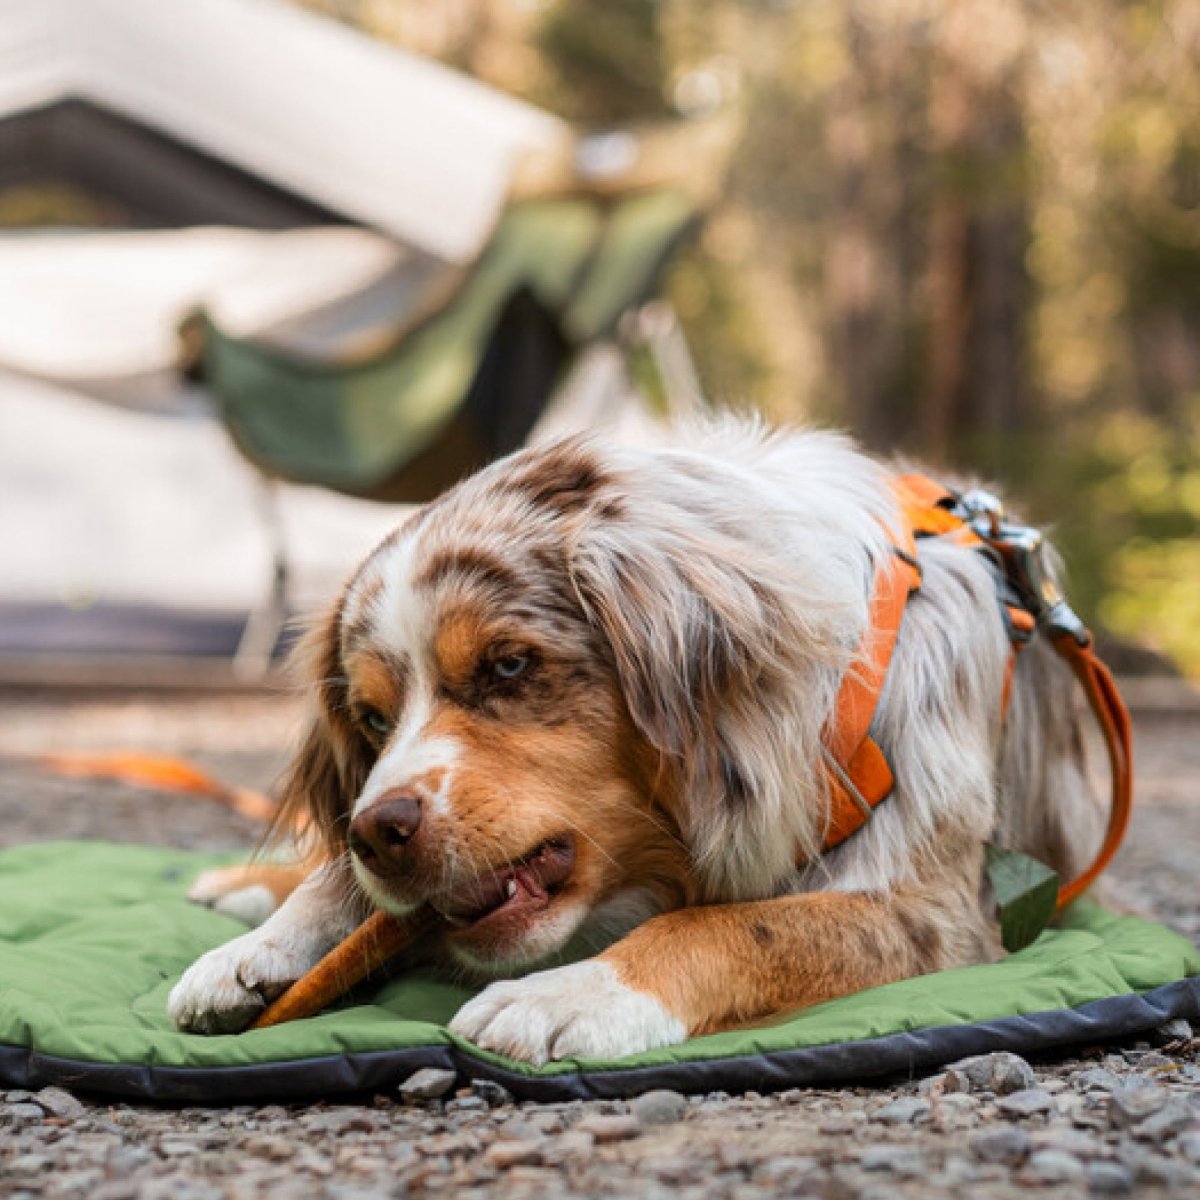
(910,1053)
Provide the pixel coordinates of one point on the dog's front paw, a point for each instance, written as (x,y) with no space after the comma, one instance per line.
(227,890)
(228,987)
(579,1011)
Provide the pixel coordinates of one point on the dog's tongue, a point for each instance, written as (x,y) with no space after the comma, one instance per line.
(529,881)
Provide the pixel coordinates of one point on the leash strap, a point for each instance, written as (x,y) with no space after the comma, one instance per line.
(860,777)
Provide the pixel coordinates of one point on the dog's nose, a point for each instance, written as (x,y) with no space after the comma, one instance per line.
(379,835)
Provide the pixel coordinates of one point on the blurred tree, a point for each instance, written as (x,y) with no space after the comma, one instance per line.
(968,229)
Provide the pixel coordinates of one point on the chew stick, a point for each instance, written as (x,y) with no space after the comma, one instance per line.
(378,938)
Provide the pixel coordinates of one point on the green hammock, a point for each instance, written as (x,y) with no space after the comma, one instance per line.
(466,382)
(93,936)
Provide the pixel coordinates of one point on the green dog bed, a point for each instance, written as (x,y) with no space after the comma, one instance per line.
(93,936)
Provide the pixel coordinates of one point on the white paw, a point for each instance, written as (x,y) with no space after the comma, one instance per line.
(579,1011)
(228,987)
(252,904)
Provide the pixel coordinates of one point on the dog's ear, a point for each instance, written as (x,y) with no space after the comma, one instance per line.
(331,764)
(693,636)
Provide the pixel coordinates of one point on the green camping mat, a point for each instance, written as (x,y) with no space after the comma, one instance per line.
(93,936)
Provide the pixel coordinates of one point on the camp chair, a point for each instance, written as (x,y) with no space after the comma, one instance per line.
(460,385)
(465,382)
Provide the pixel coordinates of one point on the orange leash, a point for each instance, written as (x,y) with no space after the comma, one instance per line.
(859,775)
(161,772)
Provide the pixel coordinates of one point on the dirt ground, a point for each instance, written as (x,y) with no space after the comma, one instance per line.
(1102,1120)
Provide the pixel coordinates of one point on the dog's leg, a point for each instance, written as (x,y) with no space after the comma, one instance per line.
(251,892)
(224,991)
(697,970)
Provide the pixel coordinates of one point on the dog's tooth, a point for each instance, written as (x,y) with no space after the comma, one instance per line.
(510,888)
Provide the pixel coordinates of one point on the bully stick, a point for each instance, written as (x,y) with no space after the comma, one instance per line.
(378,938)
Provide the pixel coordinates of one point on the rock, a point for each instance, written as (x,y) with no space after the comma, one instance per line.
(615,1128)
(21,1113)
(1174,1117)
(1001,1073)
(495,1095)
(1026,1103)
(28,1164)
(1154,1170)
(1053,1166)
(1176,1030)
(464,1104)
(899,1160)
(675,1169)
(429,1083)
(568,1147)
(1109,1179)
(660,1107)
(1189,1147)
(59,1103)
(513,1153)
(839,1125)
(1096,1079)
(1132,1103)
(1005,1145)
(269,1146)
(785,1171)
(904,1111)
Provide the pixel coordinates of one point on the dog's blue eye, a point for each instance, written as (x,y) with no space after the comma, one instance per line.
(510,666)
(376,721)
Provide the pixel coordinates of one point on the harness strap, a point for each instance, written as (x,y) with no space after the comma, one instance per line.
(859,775)
(858,771)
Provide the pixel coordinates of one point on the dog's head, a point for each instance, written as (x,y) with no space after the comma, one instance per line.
(529,702)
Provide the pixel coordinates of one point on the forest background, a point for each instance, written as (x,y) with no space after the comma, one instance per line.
(966,230)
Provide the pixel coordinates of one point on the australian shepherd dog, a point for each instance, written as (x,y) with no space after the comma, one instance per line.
(577,705)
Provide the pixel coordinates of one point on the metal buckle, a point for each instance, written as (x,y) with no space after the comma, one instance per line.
(1023,553)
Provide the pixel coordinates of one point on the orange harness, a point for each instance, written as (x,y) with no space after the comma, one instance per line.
(860,777)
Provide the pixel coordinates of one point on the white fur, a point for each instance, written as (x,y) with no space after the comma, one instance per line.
(223,991)
(253,905)
(578,1011)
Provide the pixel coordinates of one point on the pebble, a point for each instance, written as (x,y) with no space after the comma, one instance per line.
(59,1103)
(1132,1103)
(1174,1117)
(1109,1179)
(1001,1073)
(1175,1030)
(569,1146)
(675,1169)
(1006,1145)
(1053,1166)
(429,1083)
(660,1107)
(462,1104)
(271,1147)
(495,1095)
(840,1125)
(615,1128)
(1026,1103)
(1189,1147)
(1097,1079)
(902,1112)
(905,1161)
(513,1153)
(22,1112)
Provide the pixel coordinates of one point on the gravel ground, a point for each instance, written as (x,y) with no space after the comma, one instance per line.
(1105,1120)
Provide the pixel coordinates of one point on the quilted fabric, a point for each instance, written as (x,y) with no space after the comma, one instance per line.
(93,936)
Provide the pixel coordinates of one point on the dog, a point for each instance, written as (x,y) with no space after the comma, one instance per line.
(578,706)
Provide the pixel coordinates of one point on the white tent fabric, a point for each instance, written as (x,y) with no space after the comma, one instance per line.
(99,311)
(393,141)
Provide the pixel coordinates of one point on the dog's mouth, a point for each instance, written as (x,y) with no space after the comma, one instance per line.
(514,893)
